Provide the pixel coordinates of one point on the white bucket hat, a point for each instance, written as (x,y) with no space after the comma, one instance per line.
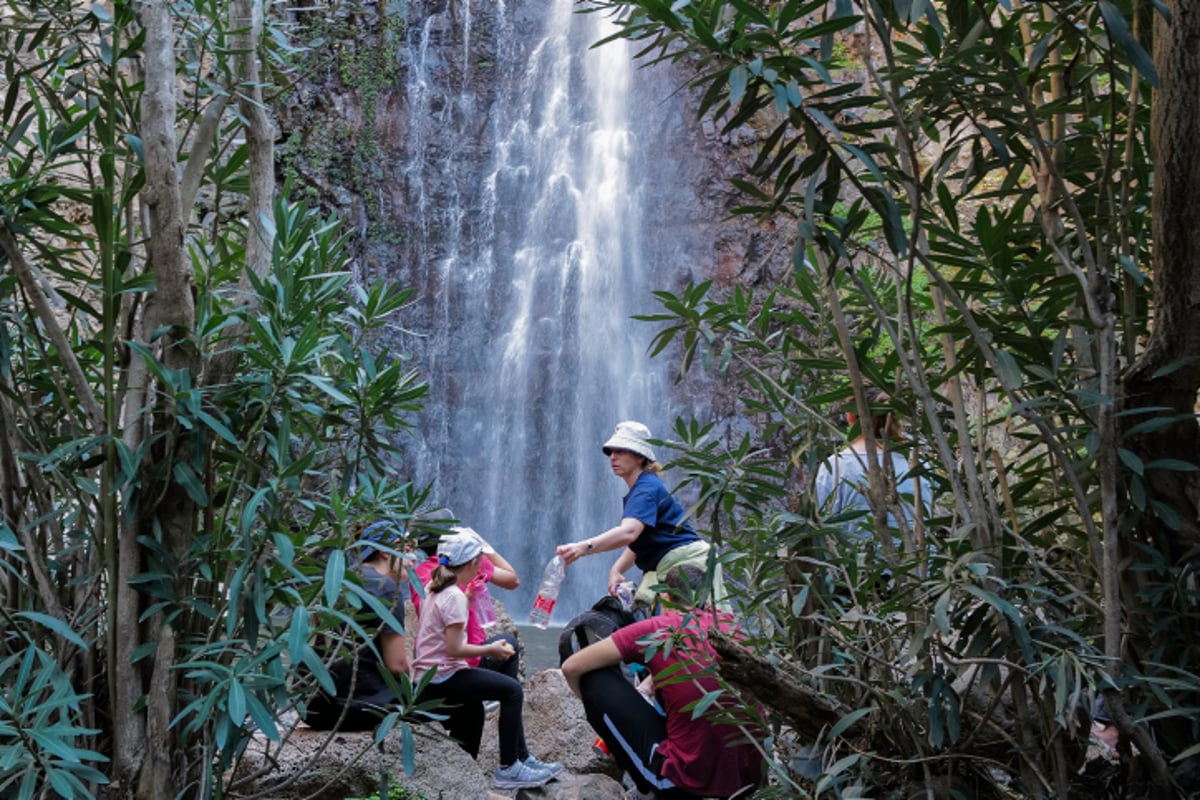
(630,436)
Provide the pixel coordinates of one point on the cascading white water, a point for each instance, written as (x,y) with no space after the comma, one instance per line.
(543,229)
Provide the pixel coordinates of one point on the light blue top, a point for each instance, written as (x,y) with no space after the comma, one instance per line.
(842,486)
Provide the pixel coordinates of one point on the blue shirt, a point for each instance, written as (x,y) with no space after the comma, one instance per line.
(651,504)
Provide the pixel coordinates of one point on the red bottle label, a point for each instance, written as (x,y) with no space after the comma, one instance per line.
(543,604)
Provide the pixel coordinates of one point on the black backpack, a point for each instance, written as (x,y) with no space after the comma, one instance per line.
(606,616)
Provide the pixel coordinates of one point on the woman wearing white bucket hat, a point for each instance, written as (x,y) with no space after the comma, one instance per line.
(654,533)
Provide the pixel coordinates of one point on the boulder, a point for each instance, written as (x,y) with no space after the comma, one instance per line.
(568,786)
(333,766)
(324,766)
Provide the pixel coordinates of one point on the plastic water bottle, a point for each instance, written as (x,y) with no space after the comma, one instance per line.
(547,595)
(485,610)
(626,591)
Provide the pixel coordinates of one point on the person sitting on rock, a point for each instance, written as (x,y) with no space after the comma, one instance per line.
(493,569)
(442,648)
(364,693)
(669,755)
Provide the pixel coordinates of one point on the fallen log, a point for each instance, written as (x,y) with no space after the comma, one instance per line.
(780,687)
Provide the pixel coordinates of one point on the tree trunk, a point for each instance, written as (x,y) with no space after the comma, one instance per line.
(1167,375)
(774,685)
(1164,376)
(167,330)
(246,16)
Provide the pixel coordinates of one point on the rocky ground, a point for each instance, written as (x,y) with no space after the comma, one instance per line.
(313,764)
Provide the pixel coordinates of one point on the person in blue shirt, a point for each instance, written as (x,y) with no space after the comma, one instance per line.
(654,533)
(364,692)
(842,482)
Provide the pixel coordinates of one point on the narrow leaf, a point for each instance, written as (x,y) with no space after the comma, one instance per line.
(1119,29)
(335,572)
(56,625)
(738,78)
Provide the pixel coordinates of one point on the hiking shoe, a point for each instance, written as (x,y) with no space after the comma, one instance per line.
(519,775)
(552,767)
(637,794)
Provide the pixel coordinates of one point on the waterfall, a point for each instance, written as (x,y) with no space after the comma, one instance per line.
(544,214)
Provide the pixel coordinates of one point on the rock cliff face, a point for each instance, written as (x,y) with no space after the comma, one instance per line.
(418,114)
(534,192)
(394,130)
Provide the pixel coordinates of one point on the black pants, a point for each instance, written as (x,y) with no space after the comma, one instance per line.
(368,707)
(464,694)
(372,701)
(360,714)
(630,727)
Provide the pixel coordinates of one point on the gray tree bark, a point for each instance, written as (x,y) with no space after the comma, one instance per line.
(167,330)
(246,17)
(1167,374)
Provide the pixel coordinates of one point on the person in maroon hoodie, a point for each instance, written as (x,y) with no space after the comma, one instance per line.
(669,754)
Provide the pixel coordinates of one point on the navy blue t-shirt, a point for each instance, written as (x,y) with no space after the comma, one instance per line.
(362,693)
(386,589)
(651,504)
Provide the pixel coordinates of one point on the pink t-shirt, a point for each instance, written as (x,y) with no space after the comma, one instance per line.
(475,632)
(439,611)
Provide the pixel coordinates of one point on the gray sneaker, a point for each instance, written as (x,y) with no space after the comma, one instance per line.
(638,794)
(520,775)
(552,767)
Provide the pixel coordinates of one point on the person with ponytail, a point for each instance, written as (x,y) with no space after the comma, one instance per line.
(494,569)
(442,648)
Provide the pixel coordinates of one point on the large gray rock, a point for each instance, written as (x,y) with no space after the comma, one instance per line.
(570,787)
(323,766)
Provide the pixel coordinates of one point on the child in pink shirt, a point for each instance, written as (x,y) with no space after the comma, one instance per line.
(442,648)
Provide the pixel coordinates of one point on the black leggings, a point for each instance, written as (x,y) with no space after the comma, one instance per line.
(323,713)
(464,693)
(630,727)
(367,708)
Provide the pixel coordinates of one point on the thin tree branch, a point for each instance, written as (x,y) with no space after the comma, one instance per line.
(45,314)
